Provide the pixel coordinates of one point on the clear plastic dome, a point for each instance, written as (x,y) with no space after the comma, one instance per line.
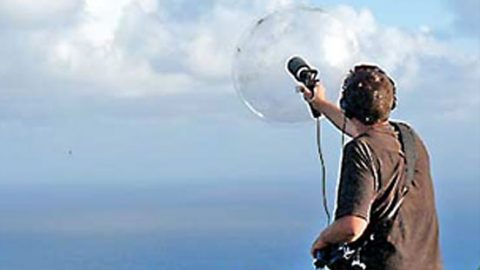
(259,73)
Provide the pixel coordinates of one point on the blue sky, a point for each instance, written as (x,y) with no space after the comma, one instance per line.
(95,80)
(124,113)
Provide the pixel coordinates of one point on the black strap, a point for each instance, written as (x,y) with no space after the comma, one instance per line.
(407,140)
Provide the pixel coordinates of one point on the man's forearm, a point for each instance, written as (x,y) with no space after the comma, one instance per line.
(336,233)
(335,115)
(344,230)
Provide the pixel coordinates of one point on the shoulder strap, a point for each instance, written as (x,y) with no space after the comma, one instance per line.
(407,140)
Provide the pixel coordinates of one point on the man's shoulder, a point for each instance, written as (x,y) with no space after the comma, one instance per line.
(359,145)
(407,127)
(361,140)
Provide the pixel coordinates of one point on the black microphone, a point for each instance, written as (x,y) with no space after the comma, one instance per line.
(300,70)
(304,74)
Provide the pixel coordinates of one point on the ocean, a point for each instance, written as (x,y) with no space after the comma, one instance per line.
(172,227)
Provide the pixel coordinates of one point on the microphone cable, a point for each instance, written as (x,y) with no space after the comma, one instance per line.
(324,170)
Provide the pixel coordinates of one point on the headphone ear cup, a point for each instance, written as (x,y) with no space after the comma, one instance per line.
(345,106)
(394,103)
(343,103)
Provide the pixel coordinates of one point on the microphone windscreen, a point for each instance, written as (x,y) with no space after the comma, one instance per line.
(295,64)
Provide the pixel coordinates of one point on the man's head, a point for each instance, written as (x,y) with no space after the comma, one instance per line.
(368,94)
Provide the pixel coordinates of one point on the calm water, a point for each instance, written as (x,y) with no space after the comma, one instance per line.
(149,252)
(235,252)
(206,228)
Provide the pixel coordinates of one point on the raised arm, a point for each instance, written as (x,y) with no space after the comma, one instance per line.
(331,111)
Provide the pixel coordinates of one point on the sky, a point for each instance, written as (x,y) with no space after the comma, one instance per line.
(119,117)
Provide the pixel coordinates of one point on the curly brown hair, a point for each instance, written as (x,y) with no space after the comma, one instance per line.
(368,94)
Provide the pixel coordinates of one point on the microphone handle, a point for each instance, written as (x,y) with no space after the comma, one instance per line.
(313,111)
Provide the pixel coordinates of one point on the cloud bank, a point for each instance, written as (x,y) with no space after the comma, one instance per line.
(62,51)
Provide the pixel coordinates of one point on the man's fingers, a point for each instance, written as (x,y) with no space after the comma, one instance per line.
(314,249)
(302,89)
(299,89)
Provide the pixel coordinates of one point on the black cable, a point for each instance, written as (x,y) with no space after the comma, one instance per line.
(344,126)
(324,171)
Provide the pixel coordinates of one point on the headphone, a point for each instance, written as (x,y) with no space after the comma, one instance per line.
(352,95)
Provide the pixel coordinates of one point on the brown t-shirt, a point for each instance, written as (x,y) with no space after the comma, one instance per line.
(371,181)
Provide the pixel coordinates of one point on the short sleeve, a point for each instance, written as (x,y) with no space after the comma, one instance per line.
(356,189)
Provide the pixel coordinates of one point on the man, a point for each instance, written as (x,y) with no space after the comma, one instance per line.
(372,177)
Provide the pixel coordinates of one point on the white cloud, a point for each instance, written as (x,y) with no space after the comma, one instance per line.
(38,13)
(210,50)
(144,47)
(439,75)
(128,49)
(102,20)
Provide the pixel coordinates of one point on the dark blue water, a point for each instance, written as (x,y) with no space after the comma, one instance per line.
(214,227)
(151,252)
(235,252)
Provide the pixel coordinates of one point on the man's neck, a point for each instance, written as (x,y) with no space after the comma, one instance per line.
(362,128)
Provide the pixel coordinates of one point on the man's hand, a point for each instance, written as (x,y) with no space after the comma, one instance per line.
(333,113)
(317,245)
(318,95)
(347,229)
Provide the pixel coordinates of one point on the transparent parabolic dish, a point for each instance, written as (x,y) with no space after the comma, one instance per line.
(258,70)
